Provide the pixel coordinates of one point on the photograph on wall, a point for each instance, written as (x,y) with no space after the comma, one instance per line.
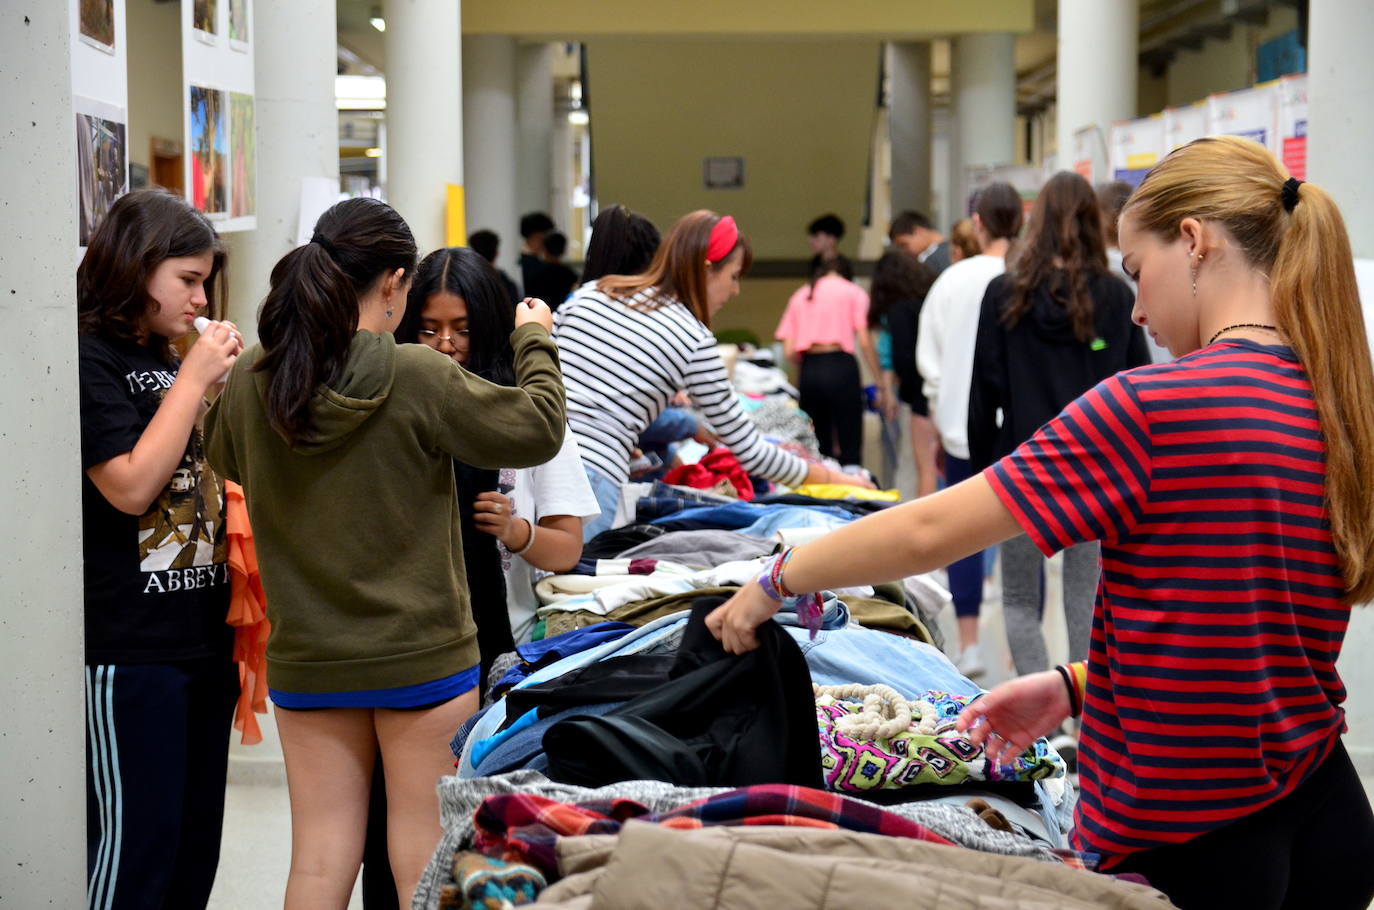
(238,24)
(97,24)
(204,19)
(243,154)
(209,150)
(102,174)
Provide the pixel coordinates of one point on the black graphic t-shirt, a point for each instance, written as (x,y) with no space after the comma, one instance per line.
(156,585)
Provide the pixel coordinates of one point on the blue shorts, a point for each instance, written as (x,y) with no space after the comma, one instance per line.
(403,698)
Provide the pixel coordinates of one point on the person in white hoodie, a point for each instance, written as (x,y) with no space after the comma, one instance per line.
(944,358)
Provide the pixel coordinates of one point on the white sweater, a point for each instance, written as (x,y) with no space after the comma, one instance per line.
(622,364)
(944,344)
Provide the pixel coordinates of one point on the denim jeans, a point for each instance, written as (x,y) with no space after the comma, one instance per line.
(607,493)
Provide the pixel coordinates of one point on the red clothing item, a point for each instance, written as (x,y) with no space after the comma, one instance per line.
(718,464)
(248,616)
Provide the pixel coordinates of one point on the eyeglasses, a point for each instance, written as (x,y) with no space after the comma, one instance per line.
(428,335)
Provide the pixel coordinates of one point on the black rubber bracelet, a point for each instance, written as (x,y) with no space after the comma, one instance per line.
(1075,709)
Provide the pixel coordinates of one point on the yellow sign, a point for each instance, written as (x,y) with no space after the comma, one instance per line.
(456,232)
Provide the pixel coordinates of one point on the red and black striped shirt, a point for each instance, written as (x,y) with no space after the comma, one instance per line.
(1212,688)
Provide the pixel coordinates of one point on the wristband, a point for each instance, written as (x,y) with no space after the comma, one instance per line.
(529,543)
(770,579)
(806,606)
(1075,706)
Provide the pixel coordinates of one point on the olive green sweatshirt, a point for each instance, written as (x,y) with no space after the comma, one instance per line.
(356,527)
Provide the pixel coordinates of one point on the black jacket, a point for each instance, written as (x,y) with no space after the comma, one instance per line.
(903,324)
(1033,369)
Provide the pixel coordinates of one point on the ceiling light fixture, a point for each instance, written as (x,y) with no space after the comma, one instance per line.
(376,19)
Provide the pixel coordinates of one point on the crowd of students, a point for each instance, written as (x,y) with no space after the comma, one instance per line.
(403,494)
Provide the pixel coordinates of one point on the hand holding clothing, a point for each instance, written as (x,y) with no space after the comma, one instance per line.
(1008,719)
(736,621)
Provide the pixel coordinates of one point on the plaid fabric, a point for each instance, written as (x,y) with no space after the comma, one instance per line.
(525,828)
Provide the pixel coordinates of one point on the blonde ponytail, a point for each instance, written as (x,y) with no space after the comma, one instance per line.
(1312,286)
(1305,251)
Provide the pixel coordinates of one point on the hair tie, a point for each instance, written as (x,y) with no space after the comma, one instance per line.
(1290,193)
(724,236)
(328,247)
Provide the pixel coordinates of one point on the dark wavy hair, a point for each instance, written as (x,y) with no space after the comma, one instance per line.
(897,276)
(310,315)
(465,273)
(143,228)
(1063,248)
(623,243)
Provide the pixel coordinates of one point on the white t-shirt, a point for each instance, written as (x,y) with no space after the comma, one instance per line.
(558,487)
(945,342)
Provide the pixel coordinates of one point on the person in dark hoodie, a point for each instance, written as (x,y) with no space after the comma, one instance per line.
(335,433)
(1056,324)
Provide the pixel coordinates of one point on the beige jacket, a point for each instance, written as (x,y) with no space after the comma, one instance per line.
(649,867)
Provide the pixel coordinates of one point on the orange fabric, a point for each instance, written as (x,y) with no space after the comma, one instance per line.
(248,616)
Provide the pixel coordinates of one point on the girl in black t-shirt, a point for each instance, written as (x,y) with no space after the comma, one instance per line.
(160,679)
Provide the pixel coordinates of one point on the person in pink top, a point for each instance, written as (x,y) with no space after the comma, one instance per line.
(823,322)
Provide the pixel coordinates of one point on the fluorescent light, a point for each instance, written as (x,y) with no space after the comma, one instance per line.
(577,118)
(373,152)
(378,23)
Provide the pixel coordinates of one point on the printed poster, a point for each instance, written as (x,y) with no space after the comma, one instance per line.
(1182,125)
(1089,154)
(220,115)
(1250,112)
(102,162)
(1292,92)
(209,150)
(1136,146)
(97,24)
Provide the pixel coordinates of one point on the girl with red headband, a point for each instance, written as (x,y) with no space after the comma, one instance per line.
(629,343)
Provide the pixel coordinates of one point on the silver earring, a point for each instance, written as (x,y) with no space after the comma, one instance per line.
(390,312)
(1194,271)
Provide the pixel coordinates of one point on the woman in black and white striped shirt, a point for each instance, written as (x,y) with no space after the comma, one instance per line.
(628,343)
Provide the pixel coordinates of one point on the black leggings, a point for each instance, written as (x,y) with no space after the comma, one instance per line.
(1313,848)
(832,397)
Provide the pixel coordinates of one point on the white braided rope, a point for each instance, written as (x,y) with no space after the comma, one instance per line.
(886,713)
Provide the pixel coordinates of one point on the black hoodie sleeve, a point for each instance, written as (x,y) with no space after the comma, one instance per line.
(987,392)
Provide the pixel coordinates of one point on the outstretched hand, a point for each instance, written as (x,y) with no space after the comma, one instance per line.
(735,621)
(1008,719)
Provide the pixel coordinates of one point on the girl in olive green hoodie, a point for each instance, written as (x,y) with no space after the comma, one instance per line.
(337,433)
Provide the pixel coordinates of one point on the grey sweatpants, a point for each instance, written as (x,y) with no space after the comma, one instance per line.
(1021,600)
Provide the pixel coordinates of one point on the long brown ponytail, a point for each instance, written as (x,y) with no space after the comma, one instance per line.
(1306,254)
(311,312)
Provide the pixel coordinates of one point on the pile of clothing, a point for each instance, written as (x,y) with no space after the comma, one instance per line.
(623,758)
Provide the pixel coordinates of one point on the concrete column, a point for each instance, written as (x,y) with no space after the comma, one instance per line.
(42,794)
(1098,70)
(983,91)
(424,113)
(1340,97)
(489,131)
(534,128)
(909,127)
(294,63)
(1340,92)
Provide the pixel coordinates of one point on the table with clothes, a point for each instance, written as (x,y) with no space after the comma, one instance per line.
(624,730)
